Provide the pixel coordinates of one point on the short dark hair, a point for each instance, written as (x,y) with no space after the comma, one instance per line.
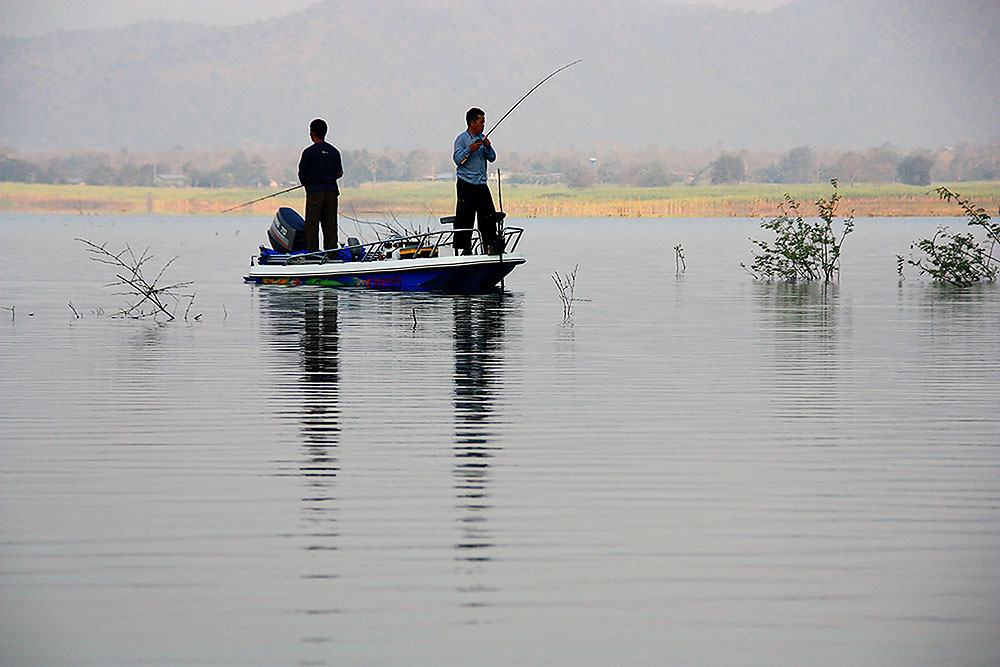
(472,114)
(318,127)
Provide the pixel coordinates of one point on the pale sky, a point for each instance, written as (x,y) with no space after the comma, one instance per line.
(26,18)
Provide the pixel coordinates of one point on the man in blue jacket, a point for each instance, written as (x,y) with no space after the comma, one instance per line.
(319,169)
(472,151)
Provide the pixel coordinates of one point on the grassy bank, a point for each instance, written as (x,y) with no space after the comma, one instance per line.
(438,198)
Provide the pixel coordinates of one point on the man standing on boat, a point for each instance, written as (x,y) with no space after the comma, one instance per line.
(472,151)
(319,169)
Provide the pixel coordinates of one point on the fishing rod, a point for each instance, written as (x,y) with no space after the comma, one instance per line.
(500,225)
(495,126)
(533,89)
(261,199)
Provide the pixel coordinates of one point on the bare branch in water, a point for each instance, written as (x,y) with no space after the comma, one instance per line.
(188,309)
(566,284)
(151,297)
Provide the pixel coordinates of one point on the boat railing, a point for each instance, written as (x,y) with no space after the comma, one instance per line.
(423,244)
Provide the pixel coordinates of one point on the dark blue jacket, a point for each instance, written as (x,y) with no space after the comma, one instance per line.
(320,168)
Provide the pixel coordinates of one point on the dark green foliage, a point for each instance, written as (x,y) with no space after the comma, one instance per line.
(13,169)
(798,166)
(728,168)
(958,259)
(802,249)
(915,169)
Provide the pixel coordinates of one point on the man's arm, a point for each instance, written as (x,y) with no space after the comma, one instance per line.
(303,168)
(462,151)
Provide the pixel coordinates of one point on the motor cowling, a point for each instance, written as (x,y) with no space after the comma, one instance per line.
(287,233)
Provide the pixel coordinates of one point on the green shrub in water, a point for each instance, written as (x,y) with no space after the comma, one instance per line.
(802,249)
(957,259)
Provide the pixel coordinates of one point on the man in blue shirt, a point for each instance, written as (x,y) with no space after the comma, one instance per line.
(472,151)
(319,169)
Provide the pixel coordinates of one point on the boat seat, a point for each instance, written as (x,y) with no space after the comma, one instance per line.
(357,252)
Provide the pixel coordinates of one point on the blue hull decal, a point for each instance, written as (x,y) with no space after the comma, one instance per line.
(478,278)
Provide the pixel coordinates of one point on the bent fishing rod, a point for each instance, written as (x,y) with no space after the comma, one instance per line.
(254,201)
(533,89)
(495,126)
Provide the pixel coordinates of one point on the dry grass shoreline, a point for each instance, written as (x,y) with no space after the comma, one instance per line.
(437,199)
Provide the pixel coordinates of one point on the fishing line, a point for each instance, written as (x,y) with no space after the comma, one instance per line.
(509,111)
(533,89)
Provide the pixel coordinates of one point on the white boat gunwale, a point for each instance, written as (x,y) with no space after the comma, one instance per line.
(334,267)
(380,264)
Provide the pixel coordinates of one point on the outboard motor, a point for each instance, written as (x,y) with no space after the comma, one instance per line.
(288,231)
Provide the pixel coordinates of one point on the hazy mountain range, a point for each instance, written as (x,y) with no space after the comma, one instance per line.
(401,73)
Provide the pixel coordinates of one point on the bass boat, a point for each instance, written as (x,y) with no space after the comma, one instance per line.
(418,262)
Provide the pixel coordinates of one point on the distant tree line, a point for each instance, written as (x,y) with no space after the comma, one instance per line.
(651,167)
(95,168)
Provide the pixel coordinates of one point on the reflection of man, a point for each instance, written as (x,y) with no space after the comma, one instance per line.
(320,420)
(320,342)
(478,333)
(472,151)
(319,169)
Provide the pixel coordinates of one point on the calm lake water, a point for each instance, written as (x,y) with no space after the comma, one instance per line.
(695,469)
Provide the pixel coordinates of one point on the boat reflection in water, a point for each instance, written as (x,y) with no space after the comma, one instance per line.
(320,373)
(479,366)
(304,324)
(302,332)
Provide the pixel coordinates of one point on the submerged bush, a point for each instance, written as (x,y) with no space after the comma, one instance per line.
(802,249)
(958,259)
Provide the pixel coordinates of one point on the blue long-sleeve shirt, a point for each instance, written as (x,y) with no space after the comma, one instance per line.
(474,169)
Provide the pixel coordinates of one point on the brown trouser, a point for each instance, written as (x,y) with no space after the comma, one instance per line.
(321,208)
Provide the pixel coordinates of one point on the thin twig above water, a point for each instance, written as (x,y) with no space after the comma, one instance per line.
(146,298)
